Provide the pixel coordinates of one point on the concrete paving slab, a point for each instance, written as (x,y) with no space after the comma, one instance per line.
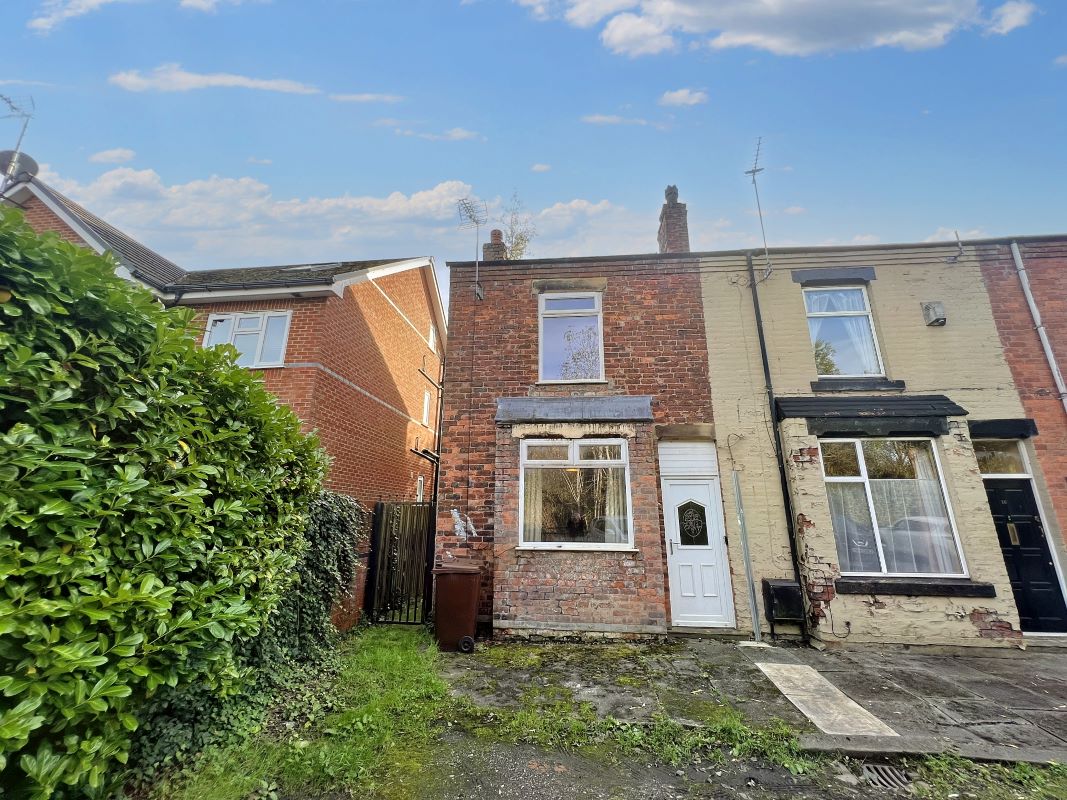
(977,712)
(1055,722)
(824,704)
(1015,734)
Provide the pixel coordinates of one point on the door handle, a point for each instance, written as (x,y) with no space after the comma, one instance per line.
(671,543)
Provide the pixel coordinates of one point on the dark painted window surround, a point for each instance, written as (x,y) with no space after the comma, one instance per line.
(915,587)
(856,385)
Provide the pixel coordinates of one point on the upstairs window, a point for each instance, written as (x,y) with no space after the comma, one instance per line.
(259,338)
(426,409)
(888,508)
(571,337)
(842,333)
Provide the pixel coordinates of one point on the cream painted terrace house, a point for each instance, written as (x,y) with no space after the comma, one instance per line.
(829,440)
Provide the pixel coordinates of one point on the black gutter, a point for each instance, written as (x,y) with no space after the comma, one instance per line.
(778,454)
(219,287)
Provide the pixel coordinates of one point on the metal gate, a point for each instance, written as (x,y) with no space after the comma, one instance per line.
(401,559)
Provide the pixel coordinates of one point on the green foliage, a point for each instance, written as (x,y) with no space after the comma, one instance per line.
(152,502)
(388,703)
(948,776)
(287,659)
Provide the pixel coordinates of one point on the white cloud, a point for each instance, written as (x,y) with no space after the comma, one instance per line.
(19,82)
(452,135)
(794,210)
(55,12)
(172,78)
(866,238)
(631,35)
(540,167)
(612,119)
(783,27)
(52,13)
(260,161)
(943,234)
(367,98)
(117,155)
(683,97)
(1013,14)
(1060,61)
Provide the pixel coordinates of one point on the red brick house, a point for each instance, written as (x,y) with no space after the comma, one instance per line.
(354,347)
(570,384)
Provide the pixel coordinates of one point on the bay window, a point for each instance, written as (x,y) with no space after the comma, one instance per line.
(575,493)
(842,332)
(888,508)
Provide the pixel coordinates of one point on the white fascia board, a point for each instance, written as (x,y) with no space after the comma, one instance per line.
(235,294)
(425,263)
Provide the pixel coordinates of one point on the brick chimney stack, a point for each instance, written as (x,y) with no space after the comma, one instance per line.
(495,249)
(673,224)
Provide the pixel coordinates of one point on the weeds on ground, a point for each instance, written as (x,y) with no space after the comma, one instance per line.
(949,776)
(550,717)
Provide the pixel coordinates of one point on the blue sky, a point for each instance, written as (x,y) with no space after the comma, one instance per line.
(230,132)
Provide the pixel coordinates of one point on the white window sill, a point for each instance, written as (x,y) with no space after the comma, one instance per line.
(529,548)
(265,366)
(569,383)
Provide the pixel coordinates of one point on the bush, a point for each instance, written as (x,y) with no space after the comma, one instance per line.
(287,659)
(152,502)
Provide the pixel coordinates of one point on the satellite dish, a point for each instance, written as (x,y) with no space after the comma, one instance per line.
(25,169)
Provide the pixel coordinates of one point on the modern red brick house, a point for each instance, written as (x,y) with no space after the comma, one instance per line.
(354,347)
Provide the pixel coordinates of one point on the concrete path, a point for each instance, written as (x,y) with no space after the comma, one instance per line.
(1009,705)
(824,704)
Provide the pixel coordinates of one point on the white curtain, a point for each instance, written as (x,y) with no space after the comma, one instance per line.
(533,505)
(615,506)
(913,519)
(857,549)
(856,331)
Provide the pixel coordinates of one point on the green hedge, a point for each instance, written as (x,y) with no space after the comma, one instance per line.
(152,502)
(286,660)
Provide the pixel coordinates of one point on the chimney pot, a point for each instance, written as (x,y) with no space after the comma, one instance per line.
(673,224)
(496,236)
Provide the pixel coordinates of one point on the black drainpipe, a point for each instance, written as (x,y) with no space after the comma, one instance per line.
(778,454)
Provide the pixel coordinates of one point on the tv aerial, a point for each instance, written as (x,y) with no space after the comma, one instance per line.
(474,214)
(756,170)
(14,163)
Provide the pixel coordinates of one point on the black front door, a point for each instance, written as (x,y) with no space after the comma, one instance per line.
(1026,553)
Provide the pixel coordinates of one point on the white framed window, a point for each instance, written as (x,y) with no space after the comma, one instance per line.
(420,489)
(260,337)
(842,332)
(889,509)
(571,337)
(574,494)
(1001,458)
(426,400)
(432,340)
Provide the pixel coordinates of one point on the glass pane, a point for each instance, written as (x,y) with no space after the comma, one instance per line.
(547,452)
(220,332)
(248,323)
(857,549)
(913,523)
(693,524)
(839,459)
(999,458)
(843,346)
(570,349)
(274,341)
(826,301)
(576,505)
(900,460)
(570,304)
(247,344)
(600,452)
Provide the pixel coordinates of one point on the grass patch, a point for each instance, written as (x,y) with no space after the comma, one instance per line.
(388,701)
(949,776)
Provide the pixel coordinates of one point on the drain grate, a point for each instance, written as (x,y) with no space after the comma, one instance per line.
(885,776)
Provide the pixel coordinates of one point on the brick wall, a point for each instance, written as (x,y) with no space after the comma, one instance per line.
(1046,264)
(654,344)
(352,374)
(41,218)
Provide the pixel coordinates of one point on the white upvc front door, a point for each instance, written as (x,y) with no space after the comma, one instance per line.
(698,570)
